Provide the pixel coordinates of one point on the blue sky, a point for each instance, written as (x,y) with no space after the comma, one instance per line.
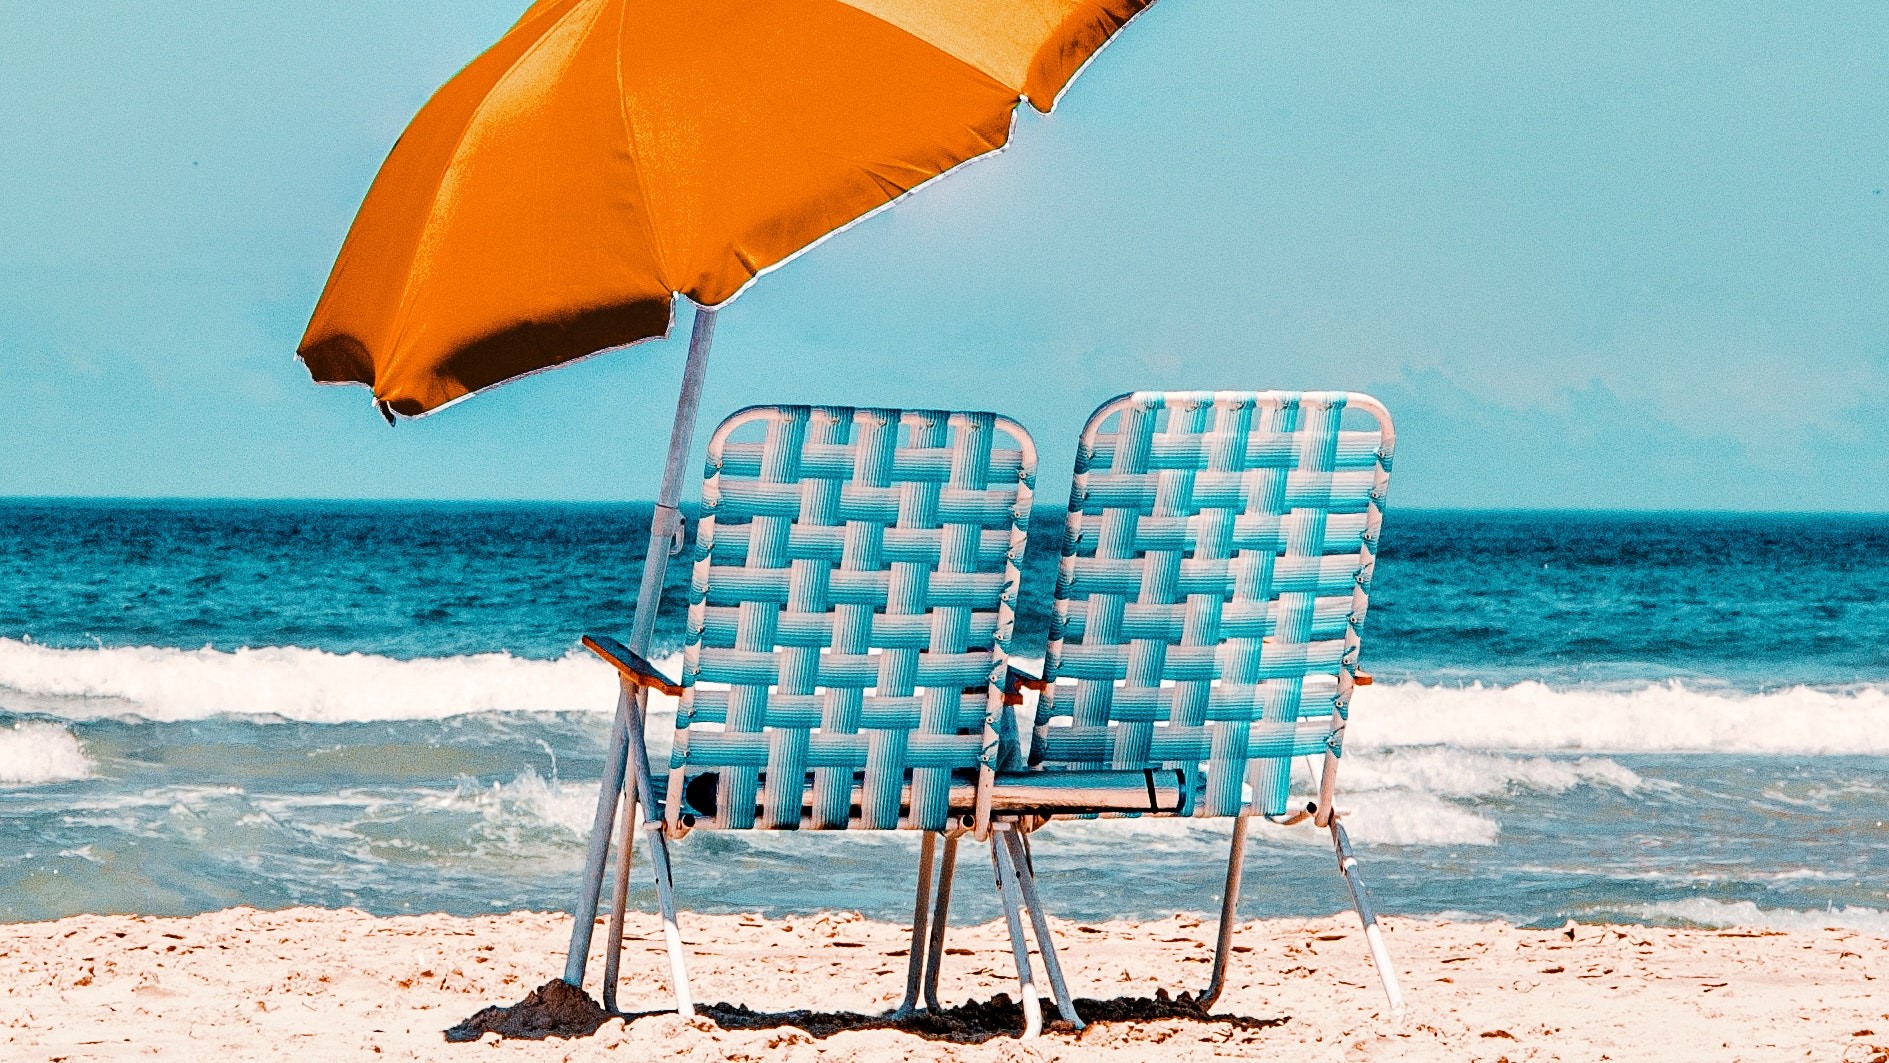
(1617,255)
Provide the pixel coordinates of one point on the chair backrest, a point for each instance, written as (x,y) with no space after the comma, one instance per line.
(855,581)
(1215,571)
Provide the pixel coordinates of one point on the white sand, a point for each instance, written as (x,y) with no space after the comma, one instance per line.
(314,985)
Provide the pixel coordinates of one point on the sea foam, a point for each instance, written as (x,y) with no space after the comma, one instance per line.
(1475,773)
(530,797)
(1658,718)
(33,753)
(1707,912)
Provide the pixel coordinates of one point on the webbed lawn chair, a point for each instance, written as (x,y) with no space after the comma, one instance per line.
(855,576)
(1216,566)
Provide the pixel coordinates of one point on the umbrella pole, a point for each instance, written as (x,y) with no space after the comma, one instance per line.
(663,527)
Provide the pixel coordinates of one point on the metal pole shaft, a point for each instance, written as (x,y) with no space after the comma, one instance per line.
(940,920)
(1010,894)
(667,519)
(662,529)
(610,788)
(921,908)
(1229,906)
(1039,922)
(1373,936)
(613,952)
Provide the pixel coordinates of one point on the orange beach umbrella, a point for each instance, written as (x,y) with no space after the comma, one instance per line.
(604,156)
(550,200)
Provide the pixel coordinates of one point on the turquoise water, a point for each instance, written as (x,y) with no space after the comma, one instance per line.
(1656,718)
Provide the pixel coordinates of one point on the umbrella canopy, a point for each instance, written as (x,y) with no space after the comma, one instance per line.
(550,200)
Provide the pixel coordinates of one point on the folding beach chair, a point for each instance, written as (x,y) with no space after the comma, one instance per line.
(1216,565)
(855,576)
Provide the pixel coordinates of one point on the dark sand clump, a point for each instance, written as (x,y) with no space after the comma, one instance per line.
(980,1020)
(557,1009)
(554,1009)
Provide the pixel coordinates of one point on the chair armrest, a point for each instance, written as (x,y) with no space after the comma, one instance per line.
(1361,679)
(636,670)
(1016,681)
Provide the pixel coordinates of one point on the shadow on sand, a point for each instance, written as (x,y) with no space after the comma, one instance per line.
(555,1009)
(978,1021)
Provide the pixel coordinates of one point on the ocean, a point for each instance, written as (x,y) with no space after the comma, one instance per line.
(1659,718)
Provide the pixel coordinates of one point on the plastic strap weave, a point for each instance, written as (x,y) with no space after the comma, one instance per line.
(855,581)
(1216,569)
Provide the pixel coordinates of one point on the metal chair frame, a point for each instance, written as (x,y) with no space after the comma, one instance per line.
(851,603)
(1216,569)
(1243,525)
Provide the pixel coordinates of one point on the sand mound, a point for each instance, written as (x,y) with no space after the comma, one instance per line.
(554,1009)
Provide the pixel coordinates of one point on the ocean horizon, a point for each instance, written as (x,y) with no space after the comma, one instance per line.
(1669,718)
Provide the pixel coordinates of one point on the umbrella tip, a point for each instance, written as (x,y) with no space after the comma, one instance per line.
(385,410)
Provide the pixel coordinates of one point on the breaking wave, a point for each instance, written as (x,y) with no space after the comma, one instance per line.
(292,683)
(322,687)
(33,753)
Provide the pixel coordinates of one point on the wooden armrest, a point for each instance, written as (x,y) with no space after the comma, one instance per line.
(1016,681)
(635,669)
(1362,679)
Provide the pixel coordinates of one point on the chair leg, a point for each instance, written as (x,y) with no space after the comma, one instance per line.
(609,801)
(940,919)
(1361,899)
(1008,891)
(1229,903)
(666,899)
(1039,920)
(921,908)
(619,902)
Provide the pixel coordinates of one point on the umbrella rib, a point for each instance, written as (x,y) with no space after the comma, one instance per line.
(633,148)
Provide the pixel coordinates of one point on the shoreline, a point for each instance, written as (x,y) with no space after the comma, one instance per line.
(316,984)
